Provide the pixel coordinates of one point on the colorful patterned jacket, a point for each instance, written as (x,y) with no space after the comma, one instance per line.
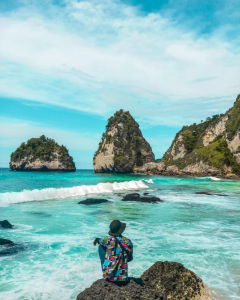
(115,267)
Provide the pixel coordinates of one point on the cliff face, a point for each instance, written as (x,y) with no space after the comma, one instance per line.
(41,154)
(209,148)
(122,147)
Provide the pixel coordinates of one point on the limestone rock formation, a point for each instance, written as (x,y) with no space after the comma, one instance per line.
(163,280)
(41,154)
(123,146)
(211,148)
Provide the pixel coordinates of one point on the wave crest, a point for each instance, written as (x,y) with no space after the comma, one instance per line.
(62,193)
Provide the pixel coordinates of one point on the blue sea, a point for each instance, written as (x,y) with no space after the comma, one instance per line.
(54,257)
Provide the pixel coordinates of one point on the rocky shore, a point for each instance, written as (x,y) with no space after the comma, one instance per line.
(162,281)
(200,169)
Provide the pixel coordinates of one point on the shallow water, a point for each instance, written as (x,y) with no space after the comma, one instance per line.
(54,256)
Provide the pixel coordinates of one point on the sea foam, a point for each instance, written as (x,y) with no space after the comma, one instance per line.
(62,193)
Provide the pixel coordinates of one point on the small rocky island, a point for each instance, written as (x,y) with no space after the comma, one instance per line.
(162,281)
(41,154)
(123,146)
(211,148)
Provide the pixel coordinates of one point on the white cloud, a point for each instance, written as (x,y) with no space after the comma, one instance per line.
(99,56)
(14,132)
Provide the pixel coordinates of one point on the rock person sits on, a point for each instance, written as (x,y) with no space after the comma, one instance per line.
(115,251)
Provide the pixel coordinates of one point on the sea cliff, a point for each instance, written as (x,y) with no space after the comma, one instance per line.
(211,148)
(123,146)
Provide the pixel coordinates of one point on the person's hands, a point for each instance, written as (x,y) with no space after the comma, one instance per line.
(96,241)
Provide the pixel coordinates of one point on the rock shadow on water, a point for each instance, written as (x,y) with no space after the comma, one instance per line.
(211,194)
(12,248)
(40,214)
(99,212)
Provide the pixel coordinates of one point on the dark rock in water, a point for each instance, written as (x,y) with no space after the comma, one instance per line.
(10,248)
(93,201)
(203,193)
(145,194)
(135,289)
(131,197)
(163,280)
(210,194)
(137,198)
(5,224)
(5,242)
(176,282)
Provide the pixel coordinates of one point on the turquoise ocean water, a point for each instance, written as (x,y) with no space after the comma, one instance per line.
(54,257)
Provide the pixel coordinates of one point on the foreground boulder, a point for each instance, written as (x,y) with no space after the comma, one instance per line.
(176,282)
(6,224)
(123,146)
(93,201)
(4,242)
(134,290)
(163,280)
(41,154)
(137,198)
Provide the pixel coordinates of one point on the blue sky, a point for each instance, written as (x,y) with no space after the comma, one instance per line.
(68,65)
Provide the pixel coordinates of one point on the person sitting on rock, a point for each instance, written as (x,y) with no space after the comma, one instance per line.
(115,251)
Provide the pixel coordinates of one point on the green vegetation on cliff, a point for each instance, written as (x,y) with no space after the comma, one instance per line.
(44,149)
(124,144)
(233,122)
(188,148)
(216,154)
(128,136)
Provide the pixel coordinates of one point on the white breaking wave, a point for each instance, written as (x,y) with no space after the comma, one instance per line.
(212,178)
(62,193)
(149,180)
(215,178)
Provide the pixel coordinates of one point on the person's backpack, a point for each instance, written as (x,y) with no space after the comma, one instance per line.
(129,253)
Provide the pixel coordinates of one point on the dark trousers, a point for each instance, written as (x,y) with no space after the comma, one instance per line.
(102,252)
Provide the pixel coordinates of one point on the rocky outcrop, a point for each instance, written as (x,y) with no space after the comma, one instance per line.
(4,242)
(176,282)
(137,198)
(92,201)
(6,224)
(41,154)
(123,146)
(164,280)
(200,169)
(211,148)
(134,290)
